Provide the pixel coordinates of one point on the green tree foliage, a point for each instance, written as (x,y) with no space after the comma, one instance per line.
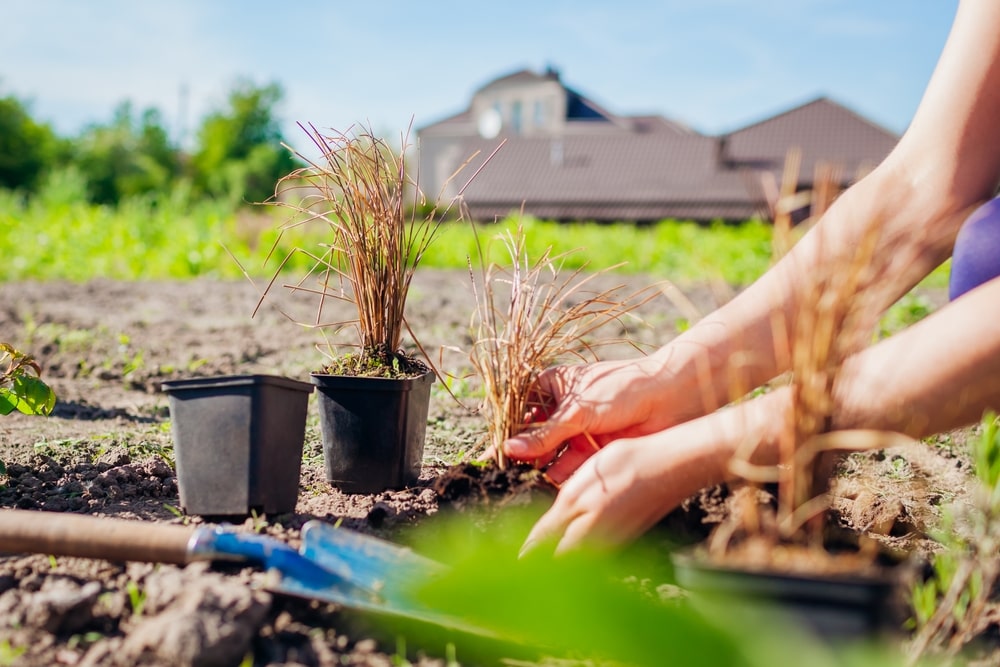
(27,148)
(130,156)
(239,153)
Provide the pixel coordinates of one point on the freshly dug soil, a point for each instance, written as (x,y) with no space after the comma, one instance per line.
(106,347)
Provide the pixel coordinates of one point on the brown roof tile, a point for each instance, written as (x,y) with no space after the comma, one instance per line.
(822,129)
(651,168)
(637,176)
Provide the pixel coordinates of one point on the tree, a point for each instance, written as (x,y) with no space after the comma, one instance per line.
(27,148)
(127,157)
(239,151)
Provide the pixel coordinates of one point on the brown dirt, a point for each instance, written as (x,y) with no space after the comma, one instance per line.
(106,347)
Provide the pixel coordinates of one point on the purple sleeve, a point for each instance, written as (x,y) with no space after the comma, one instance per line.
(976,258)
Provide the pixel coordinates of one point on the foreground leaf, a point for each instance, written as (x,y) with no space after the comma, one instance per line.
(28,395)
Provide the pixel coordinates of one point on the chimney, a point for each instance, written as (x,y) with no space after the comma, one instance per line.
(721,152)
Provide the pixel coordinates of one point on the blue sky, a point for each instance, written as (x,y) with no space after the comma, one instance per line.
(713,64)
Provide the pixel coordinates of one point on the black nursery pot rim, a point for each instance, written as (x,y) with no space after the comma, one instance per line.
(227,381)
(689,560)
(327,380)
(832,606)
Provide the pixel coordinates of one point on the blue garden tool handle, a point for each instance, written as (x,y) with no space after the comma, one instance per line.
(268,553)
(335,565)
(58,534)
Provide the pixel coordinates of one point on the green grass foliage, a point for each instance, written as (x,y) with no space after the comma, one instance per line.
(57,235)
(680,251)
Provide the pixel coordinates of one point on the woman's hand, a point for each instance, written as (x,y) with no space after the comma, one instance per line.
(592,405)
(624,489)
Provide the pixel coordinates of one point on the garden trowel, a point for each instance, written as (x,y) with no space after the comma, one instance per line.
(334,564)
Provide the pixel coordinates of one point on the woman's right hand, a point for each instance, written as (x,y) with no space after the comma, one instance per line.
(586,406)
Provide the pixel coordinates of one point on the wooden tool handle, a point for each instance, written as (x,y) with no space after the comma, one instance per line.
(23,531)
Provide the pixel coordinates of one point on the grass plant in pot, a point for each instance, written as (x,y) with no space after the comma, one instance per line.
(778,551)
(373,401)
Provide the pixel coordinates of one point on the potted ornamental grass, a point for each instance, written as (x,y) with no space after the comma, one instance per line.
(373,400)
(778,549)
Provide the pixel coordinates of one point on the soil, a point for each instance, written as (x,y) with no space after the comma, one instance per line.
(106,347)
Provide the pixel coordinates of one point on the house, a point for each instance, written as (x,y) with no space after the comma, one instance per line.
(565,157)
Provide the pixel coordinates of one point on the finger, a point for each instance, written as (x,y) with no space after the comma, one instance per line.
(577,533)
(491,452)
(567,464)
(544,460)
(539,440)
(546,532)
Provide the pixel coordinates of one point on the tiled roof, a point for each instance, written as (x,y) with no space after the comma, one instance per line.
(650,167)
(634,176)
(519,77)
(822,129)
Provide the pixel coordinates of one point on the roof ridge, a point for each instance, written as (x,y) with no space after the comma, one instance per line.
(524,72)
(774,116)
(822,98)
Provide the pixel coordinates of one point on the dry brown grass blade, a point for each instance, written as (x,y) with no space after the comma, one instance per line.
(357,189)
(835,323)
(783,207)
(839,309)
(529,317)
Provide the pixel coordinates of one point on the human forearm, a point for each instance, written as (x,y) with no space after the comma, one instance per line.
(946,163)
(938,374)
(749,340)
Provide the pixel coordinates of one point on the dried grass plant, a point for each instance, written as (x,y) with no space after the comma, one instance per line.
(529,316)
(358,188)
(837,318)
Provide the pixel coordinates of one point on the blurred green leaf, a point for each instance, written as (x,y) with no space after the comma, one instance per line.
(8,401)
(28,395)
(597,608)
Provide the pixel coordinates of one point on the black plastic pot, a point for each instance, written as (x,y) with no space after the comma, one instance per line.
(238,442)
(373,430)
(830,607)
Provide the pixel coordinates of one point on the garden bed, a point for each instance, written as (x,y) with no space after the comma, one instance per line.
(106,347)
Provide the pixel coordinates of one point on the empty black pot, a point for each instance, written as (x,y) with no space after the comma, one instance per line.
(238,442)
(373,430)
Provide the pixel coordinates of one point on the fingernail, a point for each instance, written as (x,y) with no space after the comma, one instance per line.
(515,447)
(526,548)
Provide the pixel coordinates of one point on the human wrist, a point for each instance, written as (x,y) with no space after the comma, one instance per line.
(668,382)
(752,430)
(692,370)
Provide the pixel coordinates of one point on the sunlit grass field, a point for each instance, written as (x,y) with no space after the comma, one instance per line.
(57,235)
